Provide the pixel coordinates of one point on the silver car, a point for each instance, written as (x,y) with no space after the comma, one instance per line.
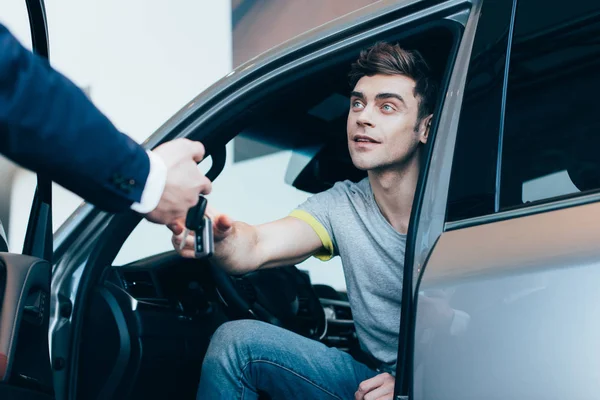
(505,227)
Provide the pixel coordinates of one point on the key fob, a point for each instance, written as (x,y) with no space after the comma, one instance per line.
(202,226)
(204,239)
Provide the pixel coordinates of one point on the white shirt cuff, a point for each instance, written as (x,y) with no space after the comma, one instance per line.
(155,185)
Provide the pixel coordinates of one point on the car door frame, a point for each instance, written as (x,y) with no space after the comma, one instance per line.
(30,270)
(38,236)
(429,204)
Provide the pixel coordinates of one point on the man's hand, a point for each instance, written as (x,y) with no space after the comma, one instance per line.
(184,180)
(380,387)
(222,228)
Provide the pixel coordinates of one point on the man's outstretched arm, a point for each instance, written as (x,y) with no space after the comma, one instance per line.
(49,126)
(241,248)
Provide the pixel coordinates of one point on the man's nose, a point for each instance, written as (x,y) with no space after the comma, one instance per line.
(365,117)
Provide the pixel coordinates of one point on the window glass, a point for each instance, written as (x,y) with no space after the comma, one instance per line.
(257,26)
(550,136)
(552,131)
(254,191)
(309,132)
(472,184)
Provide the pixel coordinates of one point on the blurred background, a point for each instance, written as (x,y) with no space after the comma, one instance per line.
(140,62)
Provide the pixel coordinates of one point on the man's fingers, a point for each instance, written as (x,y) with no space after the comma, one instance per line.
(188,253)
(222,226)
(176,240)
(189,240)
(370,384)
(176,227)
(205,185)
(366,387)
(385,391)
(223,222)
(196,149)
(184,181)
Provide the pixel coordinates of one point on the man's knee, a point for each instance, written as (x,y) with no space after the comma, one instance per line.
(236,339)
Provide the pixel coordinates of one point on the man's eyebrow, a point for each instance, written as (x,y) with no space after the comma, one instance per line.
(360,95)
(382,96)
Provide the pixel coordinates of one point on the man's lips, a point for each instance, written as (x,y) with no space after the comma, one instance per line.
(364,139)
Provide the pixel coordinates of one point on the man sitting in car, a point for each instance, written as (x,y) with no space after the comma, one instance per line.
(365,223)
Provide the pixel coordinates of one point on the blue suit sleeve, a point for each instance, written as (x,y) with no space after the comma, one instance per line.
(48,125)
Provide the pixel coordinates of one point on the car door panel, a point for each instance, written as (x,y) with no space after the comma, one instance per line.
(25,369)
(518,261)
(24,320)
(548,240)
(529,287)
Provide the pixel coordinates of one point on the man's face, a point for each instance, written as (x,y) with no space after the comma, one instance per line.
(382,131)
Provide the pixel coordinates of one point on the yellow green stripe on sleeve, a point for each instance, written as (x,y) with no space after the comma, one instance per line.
(327,252)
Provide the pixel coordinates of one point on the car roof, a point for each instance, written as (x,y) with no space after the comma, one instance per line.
(292,48)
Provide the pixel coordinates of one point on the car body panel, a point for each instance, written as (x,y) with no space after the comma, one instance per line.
(529,288)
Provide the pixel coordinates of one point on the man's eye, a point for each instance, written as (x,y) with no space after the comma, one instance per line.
(356,104)
(387,107)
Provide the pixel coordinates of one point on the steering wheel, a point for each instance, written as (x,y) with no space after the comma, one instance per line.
(281,296)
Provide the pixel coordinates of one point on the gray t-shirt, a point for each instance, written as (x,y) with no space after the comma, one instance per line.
(350,224)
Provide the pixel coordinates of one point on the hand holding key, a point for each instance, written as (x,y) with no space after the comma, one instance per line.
(185,243)
(183,181)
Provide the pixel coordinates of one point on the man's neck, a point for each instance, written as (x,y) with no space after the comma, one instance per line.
(394,190)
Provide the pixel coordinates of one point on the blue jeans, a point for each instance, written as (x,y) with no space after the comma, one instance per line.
(248,357)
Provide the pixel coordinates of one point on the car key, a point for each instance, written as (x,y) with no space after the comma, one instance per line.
(202,226)
(193,219)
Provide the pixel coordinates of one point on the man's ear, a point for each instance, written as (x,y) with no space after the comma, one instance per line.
(425,128)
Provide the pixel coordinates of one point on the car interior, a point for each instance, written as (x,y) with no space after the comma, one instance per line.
(148,323)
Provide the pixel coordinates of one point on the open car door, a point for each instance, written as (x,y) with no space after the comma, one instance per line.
(25,370)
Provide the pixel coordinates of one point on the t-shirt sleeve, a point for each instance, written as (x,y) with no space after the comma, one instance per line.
(316,211)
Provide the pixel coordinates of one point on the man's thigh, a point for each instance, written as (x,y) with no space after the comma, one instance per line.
(286,365)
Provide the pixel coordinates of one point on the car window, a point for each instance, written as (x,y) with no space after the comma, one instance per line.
(304,121)
(472,181)
(257,26)
(551,128)
(549,131)
(254,191)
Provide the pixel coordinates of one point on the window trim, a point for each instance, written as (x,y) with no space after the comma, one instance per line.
(511,30)
(498,114)
(574,200)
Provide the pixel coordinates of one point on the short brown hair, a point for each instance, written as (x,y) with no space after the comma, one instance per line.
(387,59)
